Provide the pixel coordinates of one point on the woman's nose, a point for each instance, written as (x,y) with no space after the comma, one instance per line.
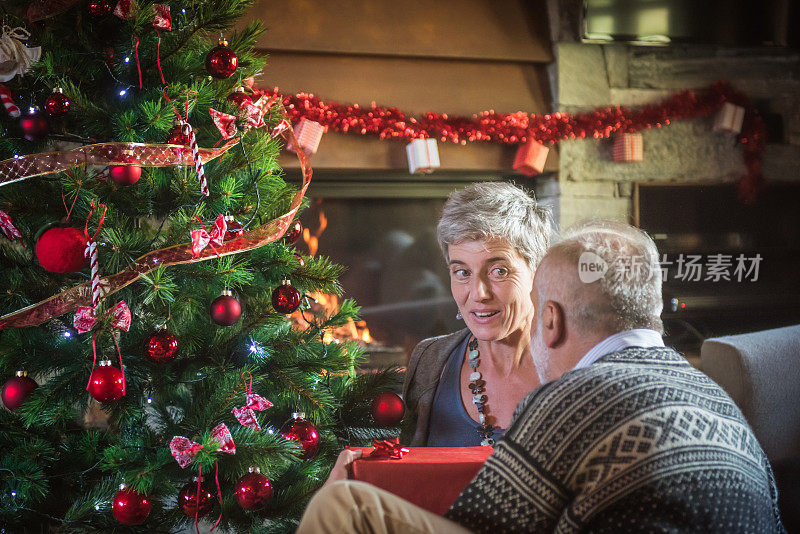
(480,289)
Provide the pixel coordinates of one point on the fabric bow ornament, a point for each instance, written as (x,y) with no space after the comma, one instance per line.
(202,238)
(225,123)
(391,449)
(246,415)
(184,450)
(8,228)
(279,129)
(86,318)
(163,18)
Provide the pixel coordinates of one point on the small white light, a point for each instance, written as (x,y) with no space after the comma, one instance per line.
(67,334)
(183,11)
(149,400)
(316,478)
(253,348)
(16,156)
(97,506)
(31,110)
(270,431)
(13,493)
(123,92)
(127,60)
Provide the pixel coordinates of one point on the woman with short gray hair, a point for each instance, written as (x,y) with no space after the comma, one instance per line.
(461,389)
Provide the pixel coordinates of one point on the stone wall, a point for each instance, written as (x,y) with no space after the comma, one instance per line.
(589,76)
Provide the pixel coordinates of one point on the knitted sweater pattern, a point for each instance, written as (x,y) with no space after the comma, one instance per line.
(640,441)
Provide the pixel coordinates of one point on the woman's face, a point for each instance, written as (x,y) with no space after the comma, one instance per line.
(492,285)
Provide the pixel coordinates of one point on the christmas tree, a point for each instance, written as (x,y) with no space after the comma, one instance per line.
(148,278)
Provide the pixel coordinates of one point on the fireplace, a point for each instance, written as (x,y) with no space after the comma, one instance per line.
(383,228)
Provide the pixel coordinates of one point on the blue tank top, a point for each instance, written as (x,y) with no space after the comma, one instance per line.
(450,425)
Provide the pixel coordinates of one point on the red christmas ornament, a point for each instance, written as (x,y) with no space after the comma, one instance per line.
(162,347)
(285,298)
(300,259)
(388,409)
(130,507)
(240,97)
(61,250)
(303,432)
(175,136)
(233,229)
(57,103)
(17,389)
(106,384)
(293,233)
(221,61)
(225,310)
(194,504)
(254,490)
(34,126)
(125,174)
(100,8)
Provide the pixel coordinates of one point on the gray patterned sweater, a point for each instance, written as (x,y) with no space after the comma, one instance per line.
(640,441)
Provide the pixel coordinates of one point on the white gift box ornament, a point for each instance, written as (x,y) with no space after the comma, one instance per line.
(530,158)
(308,134)
(729,118)
(423,156)
(628,147)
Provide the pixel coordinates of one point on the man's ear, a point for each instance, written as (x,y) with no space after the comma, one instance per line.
(552,324)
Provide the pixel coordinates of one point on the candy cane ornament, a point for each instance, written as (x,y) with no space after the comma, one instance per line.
(91,252)
(8,102)
(198,163)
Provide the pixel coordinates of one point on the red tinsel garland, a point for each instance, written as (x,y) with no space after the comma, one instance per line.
(513,128)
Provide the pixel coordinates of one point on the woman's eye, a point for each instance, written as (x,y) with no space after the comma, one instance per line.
(460,273)
(500,271)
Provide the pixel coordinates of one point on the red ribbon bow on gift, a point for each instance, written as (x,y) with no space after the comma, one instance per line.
(246,415)
(184,450)
(385,448)
(86,319)
(201,238)
(8,227)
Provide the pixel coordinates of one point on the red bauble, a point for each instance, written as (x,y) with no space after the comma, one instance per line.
(300,259)
(192,504)
(176,136)
(239,97)
(61,250)
(162,347)
(17,389)
(285,298)
(125,174)
(303,432)
(253,491)
(106,384)
(233,230)
(225,310)
(100,8)
(34,126)
(221,61)
(57,103)
(130,507)
(388,409)
(293,233)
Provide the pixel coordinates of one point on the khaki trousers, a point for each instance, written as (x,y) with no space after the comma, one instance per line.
(352,506)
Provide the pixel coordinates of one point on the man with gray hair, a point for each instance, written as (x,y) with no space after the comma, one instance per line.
(623,435)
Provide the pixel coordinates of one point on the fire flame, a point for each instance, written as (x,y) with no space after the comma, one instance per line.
(327,303)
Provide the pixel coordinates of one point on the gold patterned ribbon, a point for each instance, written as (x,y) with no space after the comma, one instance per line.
(81,295)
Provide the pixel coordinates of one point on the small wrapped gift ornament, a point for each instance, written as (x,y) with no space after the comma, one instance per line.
(423,156)
(628,147)
(308,134)
(530,158)
(729,118)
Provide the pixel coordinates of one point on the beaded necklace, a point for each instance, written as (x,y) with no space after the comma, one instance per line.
(479,398)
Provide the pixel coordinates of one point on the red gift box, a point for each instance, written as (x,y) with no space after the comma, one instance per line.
(628,147)
(430,477)
(530,158)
